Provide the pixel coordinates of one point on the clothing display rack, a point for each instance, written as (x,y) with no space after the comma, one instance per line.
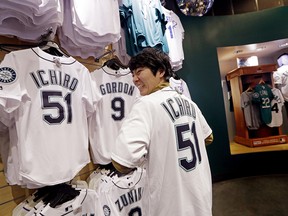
(240,80)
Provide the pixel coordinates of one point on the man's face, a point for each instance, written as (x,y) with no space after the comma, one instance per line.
(145,80)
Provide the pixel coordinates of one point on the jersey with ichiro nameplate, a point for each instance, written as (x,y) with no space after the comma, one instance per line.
(50,99)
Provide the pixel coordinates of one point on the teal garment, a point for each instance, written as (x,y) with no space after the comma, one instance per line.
(144,25)
(263,96)
(126,24)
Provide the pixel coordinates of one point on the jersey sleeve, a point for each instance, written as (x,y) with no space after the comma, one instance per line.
(10,86)
(186,91)
(277,77)
(133,139)
(89,93)
(205,126)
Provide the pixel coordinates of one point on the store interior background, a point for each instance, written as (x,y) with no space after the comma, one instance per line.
(267,54)
(229,23)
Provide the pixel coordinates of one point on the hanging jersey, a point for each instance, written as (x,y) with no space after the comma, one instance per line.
(51,98)
(280,78)
(123,195)
(276,108)
(116,93)
(251,111)
(144,25)
(25,206)
(180,86)
(282,60)
(120,48)
(262,96)
(36,209)
(174,34)
(84,204)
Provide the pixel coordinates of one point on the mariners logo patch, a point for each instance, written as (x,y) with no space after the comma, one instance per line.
(7,75)
(256,95)
(106,210)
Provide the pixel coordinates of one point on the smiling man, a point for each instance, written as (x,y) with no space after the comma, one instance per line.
(165,132)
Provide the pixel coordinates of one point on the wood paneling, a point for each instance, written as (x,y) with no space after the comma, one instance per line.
(6,209)
(3,182)
(265,4)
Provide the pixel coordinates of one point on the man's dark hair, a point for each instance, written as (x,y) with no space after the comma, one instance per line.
(154,59)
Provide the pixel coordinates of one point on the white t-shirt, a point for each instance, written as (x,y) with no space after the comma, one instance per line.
(29,19)
(166,131)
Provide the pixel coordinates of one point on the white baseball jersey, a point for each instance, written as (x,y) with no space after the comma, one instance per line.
(122,195)
(36,209)
(84,204)
(116,93)
(166,131)
(50,98)
(174,34)
(25,206)
(180,86)
(280,78)
(276,108)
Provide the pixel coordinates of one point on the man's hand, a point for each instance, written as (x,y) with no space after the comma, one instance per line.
(209,139)
(121,169)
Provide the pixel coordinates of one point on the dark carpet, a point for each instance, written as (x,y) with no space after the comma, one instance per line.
(251,196)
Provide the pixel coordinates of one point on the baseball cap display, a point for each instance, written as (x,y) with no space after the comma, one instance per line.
(195,7)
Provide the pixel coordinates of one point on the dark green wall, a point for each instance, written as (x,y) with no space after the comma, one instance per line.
(201,72)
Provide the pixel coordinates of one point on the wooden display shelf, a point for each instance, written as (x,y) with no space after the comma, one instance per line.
(264,141)
(251,70)
(239,80)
